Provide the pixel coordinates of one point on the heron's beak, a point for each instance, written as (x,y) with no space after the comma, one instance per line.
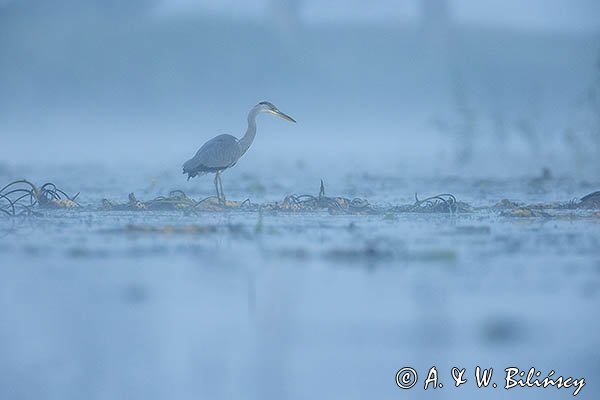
(281,115)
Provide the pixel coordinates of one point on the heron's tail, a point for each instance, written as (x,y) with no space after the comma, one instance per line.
(193,168)
(191,174)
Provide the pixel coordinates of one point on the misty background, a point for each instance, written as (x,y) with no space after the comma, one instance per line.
(401,88)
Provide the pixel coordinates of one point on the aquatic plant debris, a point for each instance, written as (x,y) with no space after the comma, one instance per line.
(445,203)
(21,196)
(441,203)
(178,200)
(514,209)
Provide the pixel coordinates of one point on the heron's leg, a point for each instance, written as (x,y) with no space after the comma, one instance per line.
(217,187)
(221,187)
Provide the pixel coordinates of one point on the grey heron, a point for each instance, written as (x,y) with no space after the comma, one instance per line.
(224,151)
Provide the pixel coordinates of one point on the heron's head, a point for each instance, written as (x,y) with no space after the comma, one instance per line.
(265,106)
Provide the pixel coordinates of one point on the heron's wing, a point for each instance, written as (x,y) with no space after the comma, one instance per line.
(218,153)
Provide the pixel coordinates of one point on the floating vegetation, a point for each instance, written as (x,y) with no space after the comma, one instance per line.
(334,205)
(505,204)
(524,212)
(21,196)
(444,203)
(513,209)
(178,200)
(441,203)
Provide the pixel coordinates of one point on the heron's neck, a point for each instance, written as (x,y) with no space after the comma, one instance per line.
(248,138)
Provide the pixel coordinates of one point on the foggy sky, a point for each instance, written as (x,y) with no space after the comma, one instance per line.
(544,15)
(80,77)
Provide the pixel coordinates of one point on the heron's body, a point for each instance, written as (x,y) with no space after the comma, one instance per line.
(224,151)
(216,155)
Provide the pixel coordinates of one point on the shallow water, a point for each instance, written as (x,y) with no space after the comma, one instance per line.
(238,304)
